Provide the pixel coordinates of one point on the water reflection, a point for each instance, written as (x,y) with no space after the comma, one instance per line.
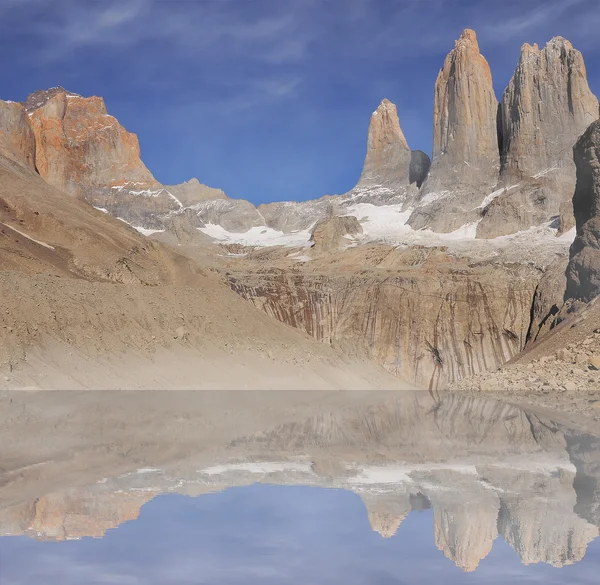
(469,470)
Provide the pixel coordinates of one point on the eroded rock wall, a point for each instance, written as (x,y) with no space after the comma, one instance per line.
(431,323)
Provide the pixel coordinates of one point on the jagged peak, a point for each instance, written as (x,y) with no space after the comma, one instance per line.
(385,125)
(555,43)
(559,42)
(384,105)
(39,98)
(468,38)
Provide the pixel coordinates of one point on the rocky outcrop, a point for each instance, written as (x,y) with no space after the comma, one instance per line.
(465,161)
(543,529)
(387,512)
(545,108)
(193,191)
(548,299)
(16,135)
(233,215)
(74,514)
(464,529)
(583,271)
(293,216)
(335,232)
(420,163)
(83,151)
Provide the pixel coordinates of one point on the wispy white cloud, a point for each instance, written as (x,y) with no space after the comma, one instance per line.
(535,16)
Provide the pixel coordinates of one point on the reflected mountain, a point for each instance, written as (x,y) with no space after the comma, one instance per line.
(486,469)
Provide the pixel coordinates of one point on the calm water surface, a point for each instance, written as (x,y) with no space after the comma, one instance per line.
(403,490)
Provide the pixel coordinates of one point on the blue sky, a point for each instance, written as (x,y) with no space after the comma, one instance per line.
(268,535)
(269,99)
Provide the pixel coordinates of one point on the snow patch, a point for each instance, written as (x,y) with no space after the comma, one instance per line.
(258,236)
(568,236)
(545,172)
(102,209)
(144,231)
(401,474)
(260,467)
(435,196)
(29,237)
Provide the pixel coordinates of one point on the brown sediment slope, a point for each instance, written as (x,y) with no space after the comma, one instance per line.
(88,302)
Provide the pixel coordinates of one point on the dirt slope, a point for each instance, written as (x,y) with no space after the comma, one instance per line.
(89,302)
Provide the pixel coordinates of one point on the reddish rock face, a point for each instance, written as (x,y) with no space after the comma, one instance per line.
(16,137)
(83,151)
(80,147)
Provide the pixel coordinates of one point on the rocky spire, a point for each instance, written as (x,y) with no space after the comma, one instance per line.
(583,271)
(545,108)
(390,167)
(387,512)
(388,155)
(465,139)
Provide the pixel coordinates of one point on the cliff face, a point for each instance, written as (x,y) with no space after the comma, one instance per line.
(83,151)
(81,148)
(422,314)
(583,270)
(545,108)
(465,140)
(16,135)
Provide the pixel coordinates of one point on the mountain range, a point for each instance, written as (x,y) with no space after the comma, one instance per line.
(436,269)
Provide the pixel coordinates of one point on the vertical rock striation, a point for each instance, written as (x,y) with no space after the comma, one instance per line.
(465,161)
(545,108)
(583,270)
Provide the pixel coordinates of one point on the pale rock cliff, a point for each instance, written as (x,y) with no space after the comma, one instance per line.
(465,161)
(387,512)
(583,271)
(545,108)
(464,528)
(391,171)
